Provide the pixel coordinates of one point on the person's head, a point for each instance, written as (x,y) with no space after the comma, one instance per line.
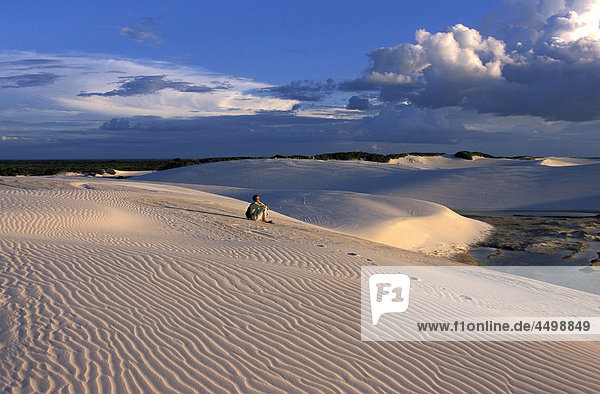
(255,197)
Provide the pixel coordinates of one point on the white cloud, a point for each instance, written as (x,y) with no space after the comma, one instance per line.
(578,21)
(182,91)
(463,52)
(143,32)
(545,62)
(170,103)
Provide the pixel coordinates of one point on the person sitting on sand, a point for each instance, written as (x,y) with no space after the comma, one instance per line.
(257,210)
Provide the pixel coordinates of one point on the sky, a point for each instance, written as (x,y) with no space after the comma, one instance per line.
(134,79)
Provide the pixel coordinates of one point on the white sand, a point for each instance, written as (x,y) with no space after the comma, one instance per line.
(397,204)
(479,184)
(108,288)
(130,173)
(443,162)
(566,161)
(118,173)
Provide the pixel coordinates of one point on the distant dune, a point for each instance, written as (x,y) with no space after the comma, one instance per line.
(405,203)
(567,162)
(454,183)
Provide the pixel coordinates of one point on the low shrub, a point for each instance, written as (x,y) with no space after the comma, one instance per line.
(465,154)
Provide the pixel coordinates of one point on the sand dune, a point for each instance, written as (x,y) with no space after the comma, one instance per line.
(566,161)
(486,184)
(186,296)
(445,162)
(403,204)
(400,222)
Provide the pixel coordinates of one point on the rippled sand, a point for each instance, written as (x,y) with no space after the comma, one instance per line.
(111,289)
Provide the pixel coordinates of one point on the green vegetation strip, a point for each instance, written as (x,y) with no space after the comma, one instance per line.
(465,154)
(93,167)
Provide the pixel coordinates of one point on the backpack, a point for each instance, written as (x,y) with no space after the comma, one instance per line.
(249,212)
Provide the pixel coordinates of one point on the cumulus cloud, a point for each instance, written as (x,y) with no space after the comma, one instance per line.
(143,32)
(543,60)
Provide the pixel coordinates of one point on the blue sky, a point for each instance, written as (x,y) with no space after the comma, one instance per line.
(271,41)
(212,78)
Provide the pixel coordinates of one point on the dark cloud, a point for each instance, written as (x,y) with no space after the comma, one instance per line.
(551,90)
(148,84)
(27,64)
(116,124)
(221,126)
(390,88)
(303,90)
(47,125)
(28,80)
(357,102)
(143,32)
(407,125)
(413,125)
(396,129)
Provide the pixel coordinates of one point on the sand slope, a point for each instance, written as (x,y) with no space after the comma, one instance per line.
(340,196)
(105,288)
(566,161)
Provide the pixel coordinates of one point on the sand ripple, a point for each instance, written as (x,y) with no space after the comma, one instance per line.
(104,289)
